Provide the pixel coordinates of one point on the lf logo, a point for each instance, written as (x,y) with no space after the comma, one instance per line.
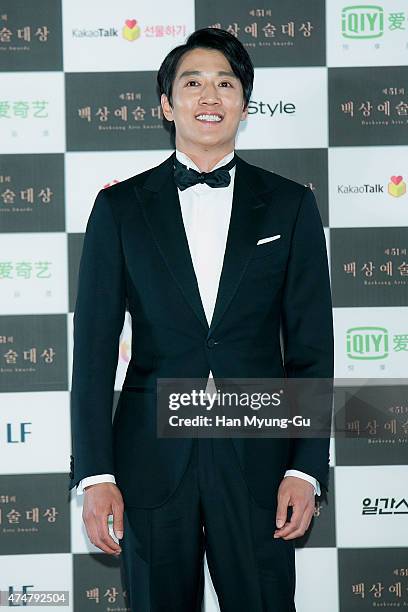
(17,436)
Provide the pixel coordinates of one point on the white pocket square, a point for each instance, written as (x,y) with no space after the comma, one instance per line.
(269,239)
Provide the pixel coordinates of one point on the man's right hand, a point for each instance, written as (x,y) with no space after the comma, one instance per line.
(100,501)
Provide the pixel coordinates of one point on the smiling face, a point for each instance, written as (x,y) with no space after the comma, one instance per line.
(208,102)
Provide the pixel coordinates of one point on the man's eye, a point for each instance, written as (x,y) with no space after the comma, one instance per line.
(189,82)
(226,83)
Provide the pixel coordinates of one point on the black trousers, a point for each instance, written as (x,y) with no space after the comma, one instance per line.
(212,511)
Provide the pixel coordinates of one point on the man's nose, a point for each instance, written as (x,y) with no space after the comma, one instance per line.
(210,95)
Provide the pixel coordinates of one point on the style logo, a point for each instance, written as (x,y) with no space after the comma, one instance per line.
(264,108)
(367,343)
(362,21)
(397,187)
(131,31)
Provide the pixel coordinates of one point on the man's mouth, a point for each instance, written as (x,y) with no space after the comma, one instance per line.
(209,117)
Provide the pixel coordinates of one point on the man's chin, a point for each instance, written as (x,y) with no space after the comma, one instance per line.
(207,139)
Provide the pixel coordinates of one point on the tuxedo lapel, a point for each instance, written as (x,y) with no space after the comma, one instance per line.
(246,215)
(161,208)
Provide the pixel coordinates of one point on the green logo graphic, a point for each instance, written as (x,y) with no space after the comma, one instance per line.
(367,343)
(362,21)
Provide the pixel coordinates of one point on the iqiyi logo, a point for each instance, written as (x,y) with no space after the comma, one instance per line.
(367,343)
(362,21)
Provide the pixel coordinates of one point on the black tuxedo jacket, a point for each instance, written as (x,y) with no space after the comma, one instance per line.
(135,256)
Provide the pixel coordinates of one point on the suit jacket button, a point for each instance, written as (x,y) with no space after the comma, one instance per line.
(211,342)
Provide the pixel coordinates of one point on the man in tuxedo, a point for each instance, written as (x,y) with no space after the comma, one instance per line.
(217,261)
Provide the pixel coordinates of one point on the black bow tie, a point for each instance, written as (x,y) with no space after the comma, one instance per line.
(186,177)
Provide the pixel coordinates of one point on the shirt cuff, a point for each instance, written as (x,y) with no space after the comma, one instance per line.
(307,477)
(94,480)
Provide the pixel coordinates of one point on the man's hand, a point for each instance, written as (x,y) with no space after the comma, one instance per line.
(101,500)
(299,493)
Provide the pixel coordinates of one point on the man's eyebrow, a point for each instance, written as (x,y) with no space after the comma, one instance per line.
(198,72)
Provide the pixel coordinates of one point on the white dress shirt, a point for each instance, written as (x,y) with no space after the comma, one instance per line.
(206,215)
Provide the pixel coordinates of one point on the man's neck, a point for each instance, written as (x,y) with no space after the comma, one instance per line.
(205,160)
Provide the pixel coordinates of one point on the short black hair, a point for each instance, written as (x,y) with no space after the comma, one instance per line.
(209,38)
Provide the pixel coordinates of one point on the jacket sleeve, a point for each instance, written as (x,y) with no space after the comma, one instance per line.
(98,321)
(307,331)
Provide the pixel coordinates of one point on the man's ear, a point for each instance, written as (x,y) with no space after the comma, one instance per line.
(166,107)
(244,114)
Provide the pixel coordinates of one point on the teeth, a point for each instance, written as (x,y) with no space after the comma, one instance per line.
(208,118)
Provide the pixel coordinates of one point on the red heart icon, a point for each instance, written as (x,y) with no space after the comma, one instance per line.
(131,23)
(396,179)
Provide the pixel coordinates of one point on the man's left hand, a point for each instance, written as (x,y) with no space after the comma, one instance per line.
(299,493)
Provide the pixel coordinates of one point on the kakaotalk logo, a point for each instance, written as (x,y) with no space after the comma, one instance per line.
(131,31)
(397,187)
(95,33)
